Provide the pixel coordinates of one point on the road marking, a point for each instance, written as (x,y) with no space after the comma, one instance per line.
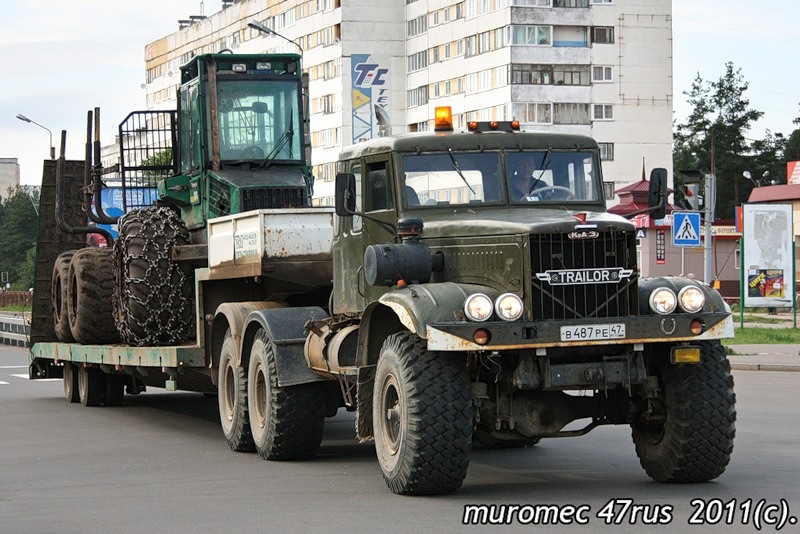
(3,383)
(26,377)
(13,366)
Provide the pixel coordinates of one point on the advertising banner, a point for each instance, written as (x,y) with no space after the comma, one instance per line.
(768,255)
(370,91)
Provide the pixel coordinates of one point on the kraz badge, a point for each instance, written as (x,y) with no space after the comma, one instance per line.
(584,234)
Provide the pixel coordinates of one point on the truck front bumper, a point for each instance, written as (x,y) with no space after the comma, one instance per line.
(460,336)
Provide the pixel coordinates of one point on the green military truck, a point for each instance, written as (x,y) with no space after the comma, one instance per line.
(440,300)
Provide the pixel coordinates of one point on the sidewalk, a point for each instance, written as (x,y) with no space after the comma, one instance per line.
(765,358)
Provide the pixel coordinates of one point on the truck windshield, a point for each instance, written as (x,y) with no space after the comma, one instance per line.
(259,120)
(546,176)
(452,178)
(552,176)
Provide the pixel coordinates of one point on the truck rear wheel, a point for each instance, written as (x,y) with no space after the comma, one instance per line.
(153,297)
(687,435)
(71,382)
(114,389)
(59,297)
(422,417)
(232,398)
(286,422)
(91,286)
(91,386)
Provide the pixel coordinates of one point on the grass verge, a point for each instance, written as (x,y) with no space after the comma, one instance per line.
(762,336)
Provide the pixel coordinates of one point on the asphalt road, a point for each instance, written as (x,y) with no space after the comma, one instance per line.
(159,463)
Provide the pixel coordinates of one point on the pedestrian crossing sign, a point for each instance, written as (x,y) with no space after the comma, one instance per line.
(686,228)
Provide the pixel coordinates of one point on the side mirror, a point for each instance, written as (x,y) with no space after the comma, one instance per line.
(657,196)
(345,194)
(260,107)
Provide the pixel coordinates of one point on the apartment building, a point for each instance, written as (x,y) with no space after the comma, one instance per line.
(377,67)
(9,175)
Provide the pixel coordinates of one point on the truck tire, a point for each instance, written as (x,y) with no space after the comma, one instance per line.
(114,389)
(153,298)
(232,398)
(90,290)
(422,416)
(59,297)
(91,386)
(690,439)
(286,422)
(71,382)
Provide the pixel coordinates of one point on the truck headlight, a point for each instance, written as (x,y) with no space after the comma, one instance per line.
(691,299)
(662,301)
(478,307)
(508,307)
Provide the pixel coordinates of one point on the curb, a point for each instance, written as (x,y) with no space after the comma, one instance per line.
(764,367)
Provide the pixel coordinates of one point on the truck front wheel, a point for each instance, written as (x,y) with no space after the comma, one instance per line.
(232,398)
(422,417)
(686,433)
(286,422)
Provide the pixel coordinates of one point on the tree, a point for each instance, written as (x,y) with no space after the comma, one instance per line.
(18,229)
(714,138)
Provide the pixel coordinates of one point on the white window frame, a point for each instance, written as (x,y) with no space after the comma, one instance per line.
(606,151)
(607,74)
(608,31)
(606,112)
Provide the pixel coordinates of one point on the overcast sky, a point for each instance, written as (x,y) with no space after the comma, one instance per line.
(63,58)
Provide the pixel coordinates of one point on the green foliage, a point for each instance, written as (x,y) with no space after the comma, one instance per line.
(764,336)
(716,138)
(18,227)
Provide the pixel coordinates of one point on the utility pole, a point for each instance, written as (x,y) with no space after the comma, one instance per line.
(710,201)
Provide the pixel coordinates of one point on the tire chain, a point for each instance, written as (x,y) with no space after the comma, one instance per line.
(163,293)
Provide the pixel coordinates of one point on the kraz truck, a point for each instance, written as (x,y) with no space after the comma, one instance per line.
(435,302)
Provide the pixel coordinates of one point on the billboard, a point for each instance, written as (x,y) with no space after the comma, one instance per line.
(768,255)
(370,97)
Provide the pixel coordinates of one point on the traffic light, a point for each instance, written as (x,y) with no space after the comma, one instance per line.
(692,194)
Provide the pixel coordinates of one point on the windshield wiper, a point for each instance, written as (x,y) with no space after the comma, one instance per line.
(458,170)
(282,140)
(545,164)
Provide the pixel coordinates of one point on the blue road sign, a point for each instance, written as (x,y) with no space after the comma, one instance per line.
(686,228)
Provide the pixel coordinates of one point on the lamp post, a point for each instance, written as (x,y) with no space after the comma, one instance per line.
(52,148)
(258,26)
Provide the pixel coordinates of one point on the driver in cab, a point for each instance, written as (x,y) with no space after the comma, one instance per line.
(523,181)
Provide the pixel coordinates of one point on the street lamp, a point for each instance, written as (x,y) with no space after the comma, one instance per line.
(260,27)
(52,148)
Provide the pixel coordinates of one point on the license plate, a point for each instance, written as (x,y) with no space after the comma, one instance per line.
(591,332)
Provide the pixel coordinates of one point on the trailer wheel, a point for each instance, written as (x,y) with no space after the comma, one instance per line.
(59,297)
(90,290)
(153,297)
(232,399)
(91,386)
(114,389)
(422,417)
(71,382)
(286,422)
(686,434)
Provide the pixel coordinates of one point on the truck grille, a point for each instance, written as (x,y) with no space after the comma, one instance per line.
(273,198)
(554,252)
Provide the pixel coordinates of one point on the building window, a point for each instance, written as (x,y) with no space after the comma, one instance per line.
(571,3)
(606,151)
(603,112)
(532,113)
(602,74)
(532,35)
(571,113)
(532,3)
(571,74)
(608,191)
(606,2)
(417,26)
(602,34)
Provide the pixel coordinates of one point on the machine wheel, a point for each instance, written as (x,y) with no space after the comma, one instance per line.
(91,386)
(153,295)
(114,389)
(59,296)
(232,399)
(687,435)
(71,382)
(422,417)
(286,422)
(91,286)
